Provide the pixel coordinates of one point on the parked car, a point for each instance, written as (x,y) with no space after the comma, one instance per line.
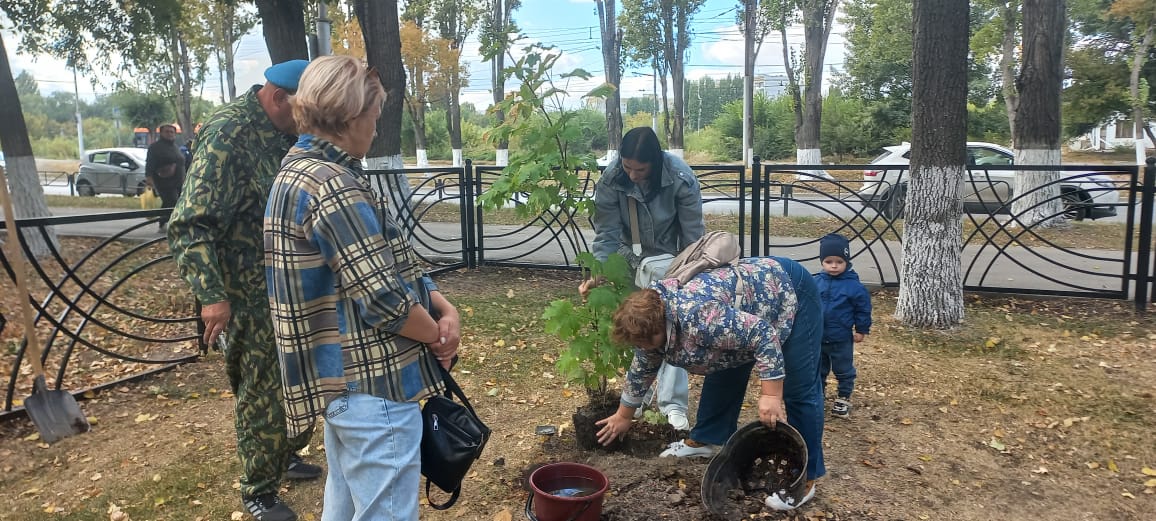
(112,171)
(605,159)
(986,190)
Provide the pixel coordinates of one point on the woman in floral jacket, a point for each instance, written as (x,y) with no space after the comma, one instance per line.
(762,314)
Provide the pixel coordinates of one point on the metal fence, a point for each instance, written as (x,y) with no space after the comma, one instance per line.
(120,284)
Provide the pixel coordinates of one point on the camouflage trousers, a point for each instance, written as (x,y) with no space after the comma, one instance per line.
(254,371)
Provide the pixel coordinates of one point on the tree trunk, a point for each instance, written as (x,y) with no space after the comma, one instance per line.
(501,15)
(379,26)
(23,181)
(931,282)
(1037,137)
(230,52)
(750,54)
(283,23)
(676,57)
(1141,55)
(611,58)
(818,16)
(1007,64)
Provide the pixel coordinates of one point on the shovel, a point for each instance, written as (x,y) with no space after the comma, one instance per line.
(55,413)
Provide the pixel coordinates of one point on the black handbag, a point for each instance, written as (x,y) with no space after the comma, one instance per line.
(452,438)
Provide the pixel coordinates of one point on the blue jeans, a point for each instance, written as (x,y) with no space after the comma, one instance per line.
(723,391)
(673,387)
(840,358)
(373,449)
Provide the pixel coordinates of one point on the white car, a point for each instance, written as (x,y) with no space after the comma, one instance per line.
(605,160)
(986,190)
(112,171)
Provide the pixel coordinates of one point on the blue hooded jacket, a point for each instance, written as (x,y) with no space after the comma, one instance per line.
(846,305)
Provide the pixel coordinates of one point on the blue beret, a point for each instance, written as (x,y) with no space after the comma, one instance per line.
(286,74)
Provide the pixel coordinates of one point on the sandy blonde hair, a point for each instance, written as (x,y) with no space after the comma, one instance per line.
(640,316)
(333,91)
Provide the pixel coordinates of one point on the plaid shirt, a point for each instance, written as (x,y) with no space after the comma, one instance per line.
(342,279)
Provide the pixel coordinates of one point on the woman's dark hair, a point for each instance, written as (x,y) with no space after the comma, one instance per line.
(641,144)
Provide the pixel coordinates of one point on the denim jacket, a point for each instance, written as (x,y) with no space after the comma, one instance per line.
(669,217)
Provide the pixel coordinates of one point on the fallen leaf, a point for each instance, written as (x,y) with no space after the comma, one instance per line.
(997,445)
(32,437)
(95,477)
(1093,464)
(905,421)
(1150,483)
(510,294)
(504,515)
(1148,472)
(1041,470)
(236,516)
(1112,466)
(1128,495)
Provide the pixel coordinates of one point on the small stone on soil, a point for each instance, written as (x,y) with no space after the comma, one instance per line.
(675,498)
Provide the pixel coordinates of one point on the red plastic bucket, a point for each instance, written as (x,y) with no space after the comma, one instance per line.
(566,492)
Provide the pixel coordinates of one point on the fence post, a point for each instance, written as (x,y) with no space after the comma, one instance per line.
(1144,248)
(466,207)
(756,205)
(479,226)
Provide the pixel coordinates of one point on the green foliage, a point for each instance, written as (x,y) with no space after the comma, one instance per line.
(590,357)
(544,166)
(988,123)
(710,141)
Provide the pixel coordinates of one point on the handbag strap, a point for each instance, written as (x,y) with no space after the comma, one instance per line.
(635,237)
(453,389)
(449,502)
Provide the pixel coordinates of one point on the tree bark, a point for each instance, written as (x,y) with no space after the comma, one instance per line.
(500,18)
(23,181)
(931,282)
(1007,63)
(1037,133)
(283,23)
(611,64)
(1138,59)
(818,16)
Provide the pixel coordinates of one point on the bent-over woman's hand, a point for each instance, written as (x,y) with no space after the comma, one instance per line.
(589,284)
(771,410)
(615,426)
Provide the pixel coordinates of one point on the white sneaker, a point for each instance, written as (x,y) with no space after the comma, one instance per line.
(680,449)
(782,502)
(678,420)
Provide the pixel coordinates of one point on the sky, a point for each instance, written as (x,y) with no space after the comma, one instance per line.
(569,25)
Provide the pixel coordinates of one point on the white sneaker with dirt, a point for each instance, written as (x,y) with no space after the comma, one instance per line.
(683,449)
(841,408)
(678,420)
(781,501)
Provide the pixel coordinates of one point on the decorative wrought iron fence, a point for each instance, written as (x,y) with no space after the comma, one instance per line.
(114,308)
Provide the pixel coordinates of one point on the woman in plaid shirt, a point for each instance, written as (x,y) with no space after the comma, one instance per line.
(351,305)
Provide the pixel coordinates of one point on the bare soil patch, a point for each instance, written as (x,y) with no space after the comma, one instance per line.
(1031,410)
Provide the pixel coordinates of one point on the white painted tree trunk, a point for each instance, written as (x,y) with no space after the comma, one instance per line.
(397,190)
(28,201)
(931,293)
(422,157)
(1140,148)
(810,156)
(677,152)
(502,157)
(457,157)
(1035,204)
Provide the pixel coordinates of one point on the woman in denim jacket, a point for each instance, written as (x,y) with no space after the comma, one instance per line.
(669,207)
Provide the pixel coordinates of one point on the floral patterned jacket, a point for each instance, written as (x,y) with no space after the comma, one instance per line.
(707,329)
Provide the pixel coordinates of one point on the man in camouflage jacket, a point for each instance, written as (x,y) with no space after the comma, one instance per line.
(215,236)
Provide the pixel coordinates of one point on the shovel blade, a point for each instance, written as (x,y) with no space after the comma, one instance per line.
(55,414)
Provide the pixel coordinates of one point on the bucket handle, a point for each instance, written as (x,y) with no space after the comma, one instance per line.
(530,510)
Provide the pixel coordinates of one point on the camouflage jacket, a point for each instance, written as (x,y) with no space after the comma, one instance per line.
(215,228)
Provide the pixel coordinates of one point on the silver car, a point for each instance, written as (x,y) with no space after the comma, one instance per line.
(986,189)
(112,171)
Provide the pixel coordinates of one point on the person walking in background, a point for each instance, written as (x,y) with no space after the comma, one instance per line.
(165,169)
(352,309)
(668,207)
(846,318)
(215,236)
(762,314)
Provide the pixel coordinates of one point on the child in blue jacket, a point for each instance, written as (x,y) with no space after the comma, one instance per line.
(846,317)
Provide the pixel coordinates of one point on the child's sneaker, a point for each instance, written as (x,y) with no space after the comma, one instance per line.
(841,407)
